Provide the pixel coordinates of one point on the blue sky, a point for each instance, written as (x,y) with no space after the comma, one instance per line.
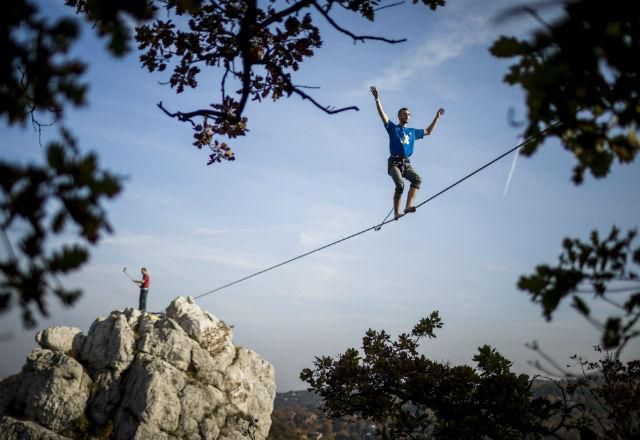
(303,179)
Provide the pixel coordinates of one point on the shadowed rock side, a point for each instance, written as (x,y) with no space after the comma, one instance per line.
(140,376)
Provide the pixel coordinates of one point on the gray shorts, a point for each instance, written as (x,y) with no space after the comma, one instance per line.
(399,168)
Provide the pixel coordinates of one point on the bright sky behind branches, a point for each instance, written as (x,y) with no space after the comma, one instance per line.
(303,178)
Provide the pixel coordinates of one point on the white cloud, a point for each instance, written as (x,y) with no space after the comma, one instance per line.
(434,51)
(444,43)
(466,25)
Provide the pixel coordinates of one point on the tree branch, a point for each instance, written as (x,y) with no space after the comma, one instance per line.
(8,245)
(627,338)
(328,109)
(613,303)
(609,290)
(517,11)
(593,395)
(388,6)
(295,89)
(351,34)
(244,45)
(278,16)
(224,82)
(534,347)
(187,117)
(566,409)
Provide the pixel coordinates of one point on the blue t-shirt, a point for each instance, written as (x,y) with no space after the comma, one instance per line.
(401,139)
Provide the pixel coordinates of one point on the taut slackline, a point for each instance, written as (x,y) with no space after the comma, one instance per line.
(378,226)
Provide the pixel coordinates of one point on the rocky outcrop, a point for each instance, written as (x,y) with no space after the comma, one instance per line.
(140,376)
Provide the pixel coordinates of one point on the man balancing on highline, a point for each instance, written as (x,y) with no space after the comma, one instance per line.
(401,140)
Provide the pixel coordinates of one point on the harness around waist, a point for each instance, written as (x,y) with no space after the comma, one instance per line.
(399,160)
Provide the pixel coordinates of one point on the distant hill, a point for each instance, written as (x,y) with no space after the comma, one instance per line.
(296,417)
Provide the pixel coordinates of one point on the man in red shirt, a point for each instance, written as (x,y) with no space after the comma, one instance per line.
(144,288)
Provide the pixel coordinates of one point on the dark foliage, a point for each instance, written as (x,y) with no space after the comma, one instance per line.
(66,193)
(611,389)
(39,201)
(109,18)
(256,47)
(36,72)
(582,86)
(600,268)
(412,397)
(582,83)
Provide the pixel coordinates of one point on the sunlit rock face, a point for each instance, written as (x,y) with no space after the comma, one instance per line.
(175,375)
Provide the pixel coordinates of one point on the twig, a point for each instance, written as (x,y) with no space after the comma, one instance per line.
(278,16)
(531,11)
(594,322)
(537,365)
(566,409)
(8,245)
(186,117)
(628,337)
(534,347)
(223,83)
(388,6)
(610,290)
(37,125)
(613,303)
(519,10)
(295,89)
(595,397)
(356,38)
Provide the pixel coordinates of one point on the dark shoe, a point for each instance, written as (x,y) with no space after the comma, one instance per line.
(410,209)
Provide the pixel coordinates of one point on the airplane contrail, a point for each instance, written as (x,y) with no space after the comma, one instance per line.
(513,167)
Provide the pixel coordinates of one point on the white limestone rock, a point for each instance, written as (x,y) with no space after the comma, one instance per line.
(212,334)
(198,405)
(109,344)
(53,390)
(153,389)
(14,429)
(140,376)
(166,340)
(250,387)
(64,339)
(133,316)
